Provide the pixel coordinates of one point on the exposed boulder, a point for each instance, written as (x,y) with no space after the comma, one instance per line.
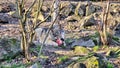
(87,21)
(81,42)
(98,8)
(34,65)
(83,7)
(73,18)
(67,10)
(89,9)
(79,11)
(7,7)
(6,18)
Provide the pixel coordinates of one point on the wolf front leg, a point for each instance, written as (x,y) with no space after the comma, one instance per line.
(38,32)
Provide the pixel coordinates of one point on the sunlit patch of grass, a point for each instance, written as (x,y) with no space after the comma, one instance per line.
(13,66)
(37,48)
(68,40)
(110,65)
(62,59)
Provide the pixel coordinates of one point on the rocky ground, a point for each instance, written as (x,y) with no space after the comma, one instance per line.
(79,21)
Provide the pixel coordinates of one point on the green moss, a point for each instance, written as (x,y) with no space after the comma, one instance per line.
(13,66)
(62,59)
(92,62)
(109,65)
(81,50)
(96,48)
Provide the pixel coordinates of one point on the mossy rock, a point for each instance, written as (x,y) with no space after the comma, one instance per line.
(87,21)
(7,7)
(76,65)
(67,10)
(89,10)
(73,18)
(92,62)
(96,48)
(96,62)
(79,65)
(80,50)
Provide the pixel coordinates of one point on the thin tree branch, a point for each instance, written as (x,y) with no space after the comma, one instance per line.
(46,17)
(46,36)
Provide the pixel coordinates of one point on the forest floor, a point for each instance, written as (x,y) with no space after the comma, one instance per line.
(52,57)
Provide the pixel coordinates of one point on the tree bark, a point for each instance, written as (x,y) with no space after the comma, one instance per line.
(56,9)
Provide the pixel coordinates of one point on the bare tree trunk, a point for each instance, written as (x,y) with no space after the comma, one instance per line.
(56,10)
(27,30)
(103,33)
(24,32)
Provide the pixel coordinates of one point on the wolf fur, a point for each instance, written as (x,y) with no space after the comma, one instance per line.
(54,33)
